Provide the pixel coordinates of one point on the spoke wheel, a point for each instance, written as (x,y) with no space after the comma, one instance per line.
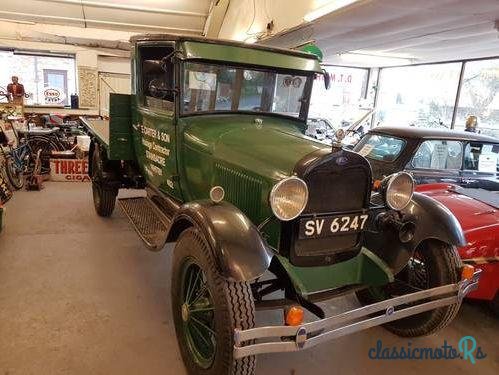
(14,173)
(207,308)
(197,312)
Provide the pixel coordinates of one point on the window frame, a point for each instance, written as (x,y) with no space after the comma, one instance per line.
(463,62)
(139,81)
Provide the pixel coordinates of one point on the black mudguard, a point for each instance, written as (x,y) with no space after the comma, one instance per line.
(240,251)
(433,221)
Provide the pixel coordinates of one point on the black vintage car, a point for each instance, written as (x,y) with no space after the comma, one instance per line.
(433,155)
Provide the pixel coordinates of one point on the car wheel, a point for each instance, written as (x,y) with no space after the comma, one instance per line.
(433,264)
(104,196)
(206,310)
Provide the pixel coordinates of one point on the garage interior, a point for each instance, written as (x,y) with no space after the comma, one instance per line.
(78,293)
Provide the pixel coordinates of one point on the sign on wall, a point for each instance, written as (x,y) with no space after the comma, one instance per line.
(53,95)
(69,170)
(87,81)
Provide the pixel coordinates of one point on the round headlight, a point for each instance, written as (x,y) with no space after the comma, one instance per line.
(288,198)
(399,190)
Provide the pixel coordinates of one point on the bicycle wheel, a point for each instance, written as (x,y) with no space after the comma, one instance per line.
(46,145)
(14,173)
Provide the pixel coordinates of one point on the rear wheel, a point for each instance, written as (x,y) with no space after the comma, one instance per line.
(206,310)
(433,264)
(104,195)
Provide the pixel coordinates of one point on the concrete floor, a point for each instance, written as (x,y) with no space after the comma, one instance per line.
(80,294)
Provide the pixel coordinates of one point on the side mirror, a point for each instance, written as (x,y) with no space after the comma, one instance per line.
(327,79)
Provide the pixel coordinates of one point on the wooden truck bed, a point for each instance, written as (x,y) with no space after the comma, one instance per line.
(98,128)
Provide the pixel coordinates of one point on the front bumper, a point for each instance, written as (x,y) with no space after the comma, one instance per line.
(307,335)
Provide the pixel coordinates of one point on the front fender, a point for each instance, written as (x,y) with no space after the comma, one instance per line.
(239,250)
(433,221)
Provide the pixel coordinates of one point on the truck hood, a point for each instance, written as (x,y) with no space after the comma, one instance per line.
(269,149)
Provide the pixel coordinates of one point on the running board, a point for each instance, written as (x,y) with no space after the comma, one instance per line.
(147,219)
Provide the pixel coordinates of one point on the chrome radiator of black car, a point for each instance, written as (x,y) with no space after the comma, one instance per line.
(338,183)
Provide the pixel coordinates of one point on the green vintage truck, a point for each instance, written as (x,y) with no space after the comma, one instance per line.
(262,216)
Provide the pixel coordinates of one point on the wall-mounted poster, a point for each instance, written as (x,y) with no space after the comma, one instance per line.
(87,80)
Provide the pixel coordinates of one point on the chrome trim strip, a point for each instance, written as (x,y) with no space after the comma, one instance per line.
(448,294)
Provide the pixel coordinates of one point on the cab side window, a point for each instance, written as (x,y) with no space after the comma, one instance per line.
(157,77)
(438,154)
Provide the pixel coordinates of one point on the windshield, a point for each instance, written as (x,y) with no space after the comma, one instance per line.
(213,88)
(380,147)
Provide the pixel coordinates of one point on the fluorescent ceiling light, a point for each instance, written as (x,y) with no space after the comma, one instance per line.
(328,8)
(390,55)
(373,60)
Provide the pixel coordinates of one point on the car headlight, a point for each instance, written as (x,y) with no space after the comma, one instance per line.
(288,198)
(398,190)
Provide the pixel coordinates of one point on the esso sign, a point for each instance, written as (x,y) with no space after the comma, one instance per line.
(53,96)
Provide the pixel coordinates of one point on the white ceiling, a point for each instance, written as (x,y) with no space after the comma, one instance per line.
(420,30)
(176,16)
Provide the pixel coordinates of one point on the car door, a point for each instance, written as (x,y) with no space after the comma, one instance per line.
(154,126)
(437,160)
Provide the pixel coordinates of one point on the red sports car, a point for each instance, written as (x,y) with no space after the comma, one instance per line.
(478,212)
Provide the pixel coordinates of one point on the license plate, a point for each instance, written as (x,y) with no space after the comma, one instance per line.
(327,226)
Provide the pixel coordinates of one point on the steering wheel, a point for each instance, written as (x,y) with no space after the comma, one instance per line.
(157,89)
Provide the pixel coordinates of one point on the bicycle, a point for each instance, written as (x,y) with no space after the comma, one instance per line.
(17,160)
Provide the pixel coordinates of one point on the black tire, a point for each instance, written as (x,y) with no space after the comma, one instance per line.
(442,266)
(233,307)
(104,196)
(14,175)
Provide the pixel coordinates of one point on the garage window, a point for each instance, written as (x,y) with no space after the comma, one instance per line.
(480,96)
(422,95)
(48,79)
(344,102)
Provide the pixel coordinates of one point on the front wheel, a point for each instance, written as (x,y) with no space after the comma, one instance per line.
(206,310)
(14,173)
(433,264)
(104,196)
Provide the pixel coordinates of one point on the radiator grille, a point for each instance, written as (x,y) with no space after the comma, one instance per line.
(338,183)
(241,190)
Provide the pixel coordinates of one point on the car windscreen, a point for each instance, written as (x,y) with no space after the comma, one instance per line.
(380,147)
(219,88)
